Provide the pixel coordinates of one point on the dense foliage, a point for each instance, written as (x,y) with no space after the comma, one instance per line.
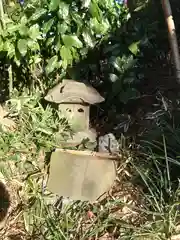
(40,40)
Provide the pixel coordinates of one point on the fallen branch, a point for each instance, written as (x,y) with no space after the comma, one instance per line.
(172,36)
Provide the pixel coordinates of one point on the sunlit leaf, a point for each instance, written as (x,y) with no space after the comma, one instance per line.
(23,20)
(54,5)
(12,28)
(49,41)
(86,3)
(62,27)
(47,25)
(66,56)
(9,47)
(52,63)
(33,45)
(74,53)
(22,46)
(23,30)
(134,48)
(88,39)
(95,10)
(63,10)
(113,77)
(65,53)
(34,32)
(72,41)
(1,44)
(39,13)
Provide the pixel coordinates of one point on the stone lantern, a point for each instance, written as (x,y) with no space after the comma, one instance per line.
(74,100)
(80,175)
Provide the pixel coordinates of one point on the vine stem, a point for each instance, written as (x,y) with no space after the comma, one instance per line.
(172,36)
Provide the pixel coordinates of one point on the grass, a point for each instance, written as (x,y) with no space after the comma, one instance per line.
(143,203)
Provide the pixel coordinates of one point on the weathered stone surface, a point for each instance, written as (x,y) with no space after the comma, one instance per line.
(80,177)
(72,91)
(77,116)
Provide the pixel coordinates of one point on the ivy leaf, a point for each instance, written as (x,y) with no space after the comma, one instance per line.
(22,46)
(52,63)
(34,32)
(39,13)
(47,25)
(72,41)
(63,10)
(54,5)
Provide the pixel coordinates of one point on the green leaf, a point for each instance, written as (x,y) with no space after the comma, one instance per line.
(63,12)
(54,5)
(58,44)
(95,11)
(72,41)
(23,20)
(1,44)
(74,53)
(77,18)
(99,28)
(17,59)
(36,59)
(50,41)
(47,25)
(65,53)
(113,77)
(39,13)
(88,39)
(23,30)
(62,28)
(130,93)
(86,3)
(9,47)
(52,63)
(66,56)
(22,46)
(33,45)
(12,27)
(34,32)
(134,48)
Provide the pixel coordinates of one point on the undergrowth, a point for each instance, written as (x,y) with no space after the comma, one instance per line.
(148,209)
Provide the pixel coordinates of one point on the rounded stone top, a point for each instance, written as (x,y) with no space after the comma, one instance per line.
(70,91)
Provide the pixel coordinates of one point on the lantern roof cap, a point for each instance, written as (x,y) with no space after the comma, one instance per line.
(70,91)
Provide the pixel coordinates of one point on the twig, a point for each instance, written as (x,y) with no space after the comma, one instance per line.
(172,36)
